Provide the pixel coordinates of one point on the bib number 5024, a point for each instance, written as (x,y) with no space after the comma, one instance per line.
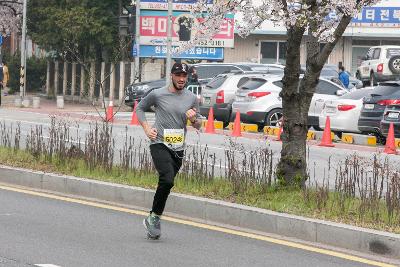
(174,139)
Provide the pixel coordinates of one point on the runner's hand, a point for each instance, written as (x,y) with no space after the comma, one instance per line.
(191,114)
(151,133)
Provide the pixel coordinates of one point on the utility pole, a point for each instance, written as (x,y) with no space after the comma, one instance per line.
(22,80)
(137,41)
(169,44)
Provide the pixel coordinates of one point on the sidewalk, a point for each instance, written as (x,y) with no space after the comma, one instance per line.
(72,109)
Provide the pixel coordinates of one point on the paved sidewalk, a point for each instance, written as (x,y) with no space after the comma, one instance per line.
(72,109)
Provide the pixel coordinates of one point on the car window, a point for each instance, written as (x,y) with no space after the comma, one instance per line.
(278,83)
(210,71)
(337,81)
(370,54)
(356,95)
(216,82)
(253,83)
(392,52)
(326,88)
(386,89)
(242,81)
(377,53)
(329,72)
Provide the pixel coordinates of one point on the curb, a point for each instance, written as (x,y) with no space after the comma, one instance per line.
(359,139)
(214,212)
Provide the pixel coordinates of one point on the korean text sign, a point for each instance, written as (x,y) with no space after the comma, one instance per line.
(153,29)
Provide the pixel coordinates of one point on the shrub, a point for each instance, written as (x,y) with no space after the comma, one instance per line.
(36,72)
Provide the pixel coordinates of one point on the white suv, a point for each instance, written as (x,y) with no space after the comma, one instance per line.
(382,63)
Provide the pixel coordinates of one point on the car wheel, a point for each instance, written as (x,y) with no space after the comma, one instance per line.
(358,76)
(338,134)
(273,117)
(394,64)
(372,80)
(226,124)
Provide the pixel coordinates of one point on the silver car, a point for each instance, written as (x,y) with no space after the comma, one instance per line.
(258,100)
(219,93)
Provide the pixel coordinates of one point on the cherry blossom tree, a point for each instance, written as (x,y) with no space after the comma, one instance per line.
(10,15)
(311,20)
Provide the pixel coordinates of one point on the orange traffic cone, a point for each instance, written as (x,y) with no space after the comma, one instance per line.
(210,122)
(134,120)
(237,130)
(110,112)
(326,137)
(390,147)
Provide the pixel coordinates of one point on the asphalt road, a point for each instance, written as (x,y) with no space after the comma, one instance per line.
(216,143)
(44,231)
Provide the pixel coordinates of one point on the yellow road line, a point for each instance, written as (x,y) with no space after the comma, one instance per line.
(204,226)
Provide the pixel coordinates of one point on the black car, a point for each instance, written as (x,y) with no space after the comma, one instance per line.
(137,91)
(391,115)
(374,105)
(205,71)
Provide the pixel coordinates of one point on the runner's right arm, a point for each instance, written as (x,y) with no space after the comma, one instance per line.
(144,105)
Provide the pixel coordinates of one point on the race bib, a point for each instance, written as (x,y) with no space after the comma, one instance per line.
(174,138)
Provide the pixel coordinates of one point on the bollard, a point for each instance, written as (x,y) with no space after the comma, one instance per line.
(26,103)
(18,102)
(36,102)
(60,102)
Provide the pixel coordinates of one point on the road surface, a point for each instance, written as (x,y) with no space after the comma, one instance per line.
(38,229)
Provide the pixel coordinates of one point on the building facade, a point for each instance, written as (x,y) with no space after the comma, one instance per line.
(377,25)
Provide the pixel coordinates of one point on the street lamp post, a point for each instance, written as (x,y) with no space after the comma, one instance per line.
(137,41)
(23,54)
(169,44)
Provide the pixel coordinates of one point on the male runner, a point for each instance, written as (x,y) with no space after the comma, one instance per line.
(174,105)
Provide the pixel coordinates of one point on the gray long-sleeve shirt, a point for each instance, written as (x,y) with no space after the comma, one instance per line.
(170,110)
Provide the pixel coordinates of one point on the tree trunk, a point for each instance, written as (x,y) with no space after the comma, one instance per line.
(292,166)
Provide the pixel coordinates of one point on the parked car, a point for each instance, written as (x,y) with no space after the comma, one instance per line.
(382,63)
(137,91)
(261,104)
(267,68)
(205,72)
(219,93)
(344,112)
(258,100)
(387,93)
(391,115)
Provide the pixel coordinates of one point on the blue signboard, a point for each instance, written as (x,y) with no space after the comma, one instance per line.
(389,16)
(208,53)
(1,39)
(134,50)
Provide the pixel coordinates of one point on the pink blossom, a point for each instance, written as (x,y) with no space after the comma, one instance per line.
(327,14)
(10,15)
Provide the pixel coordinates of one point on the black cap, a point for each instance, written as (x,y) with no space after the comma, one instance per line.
(180,68)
